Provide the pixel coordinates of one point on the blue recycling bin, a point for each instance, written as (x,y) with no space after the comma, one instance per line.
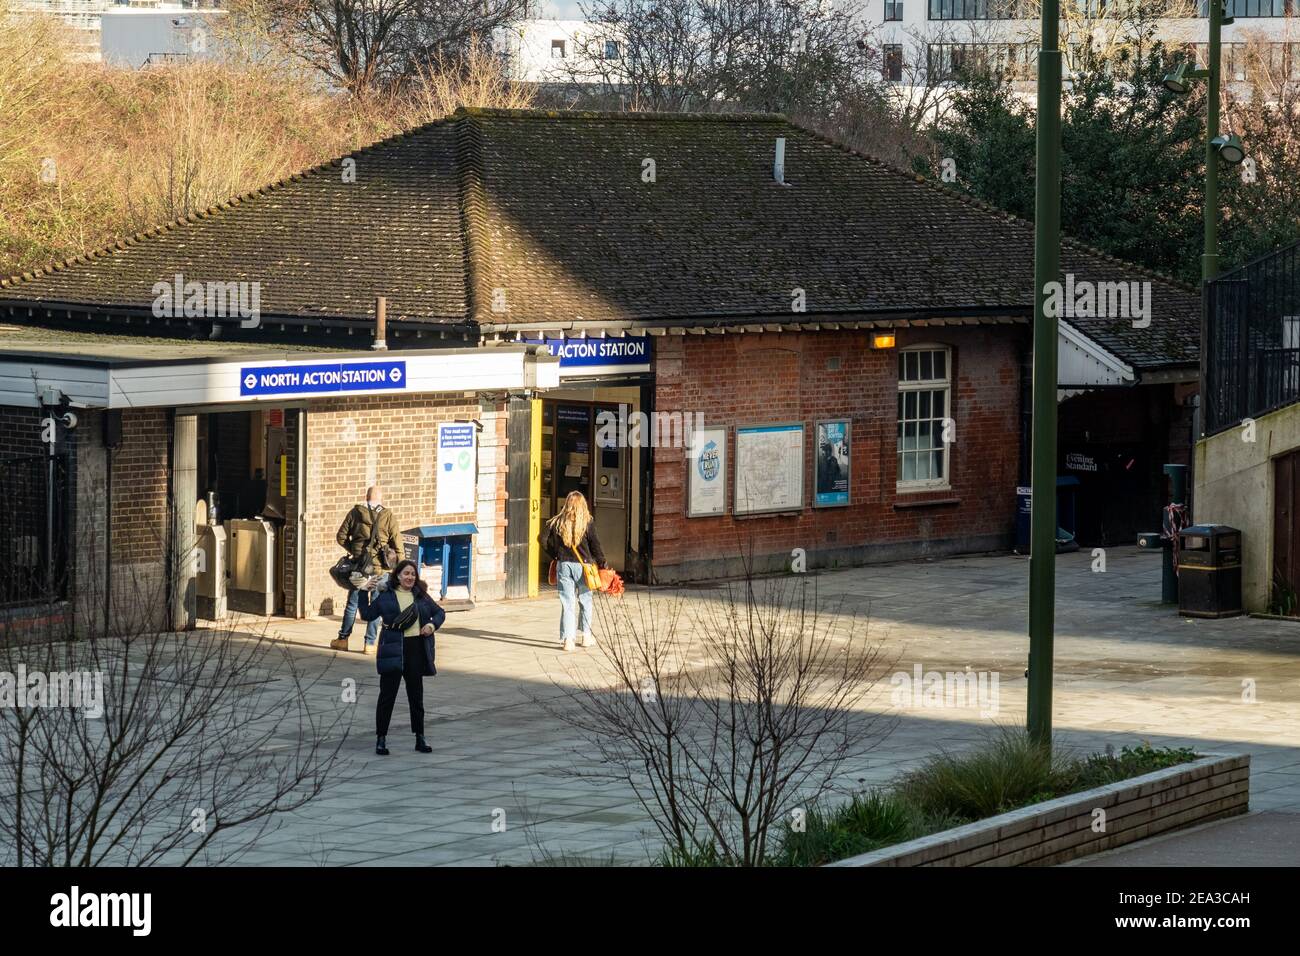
(450,547)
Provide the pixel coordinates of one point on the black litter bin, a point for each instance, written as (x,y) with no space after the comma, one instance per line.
(1209,571)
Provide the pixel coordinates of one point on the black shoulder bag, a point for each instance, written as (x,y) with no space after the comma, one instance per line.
(347,565)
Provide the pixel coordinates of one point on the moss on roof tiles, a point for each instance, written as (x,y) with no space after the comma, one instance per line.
(549,208)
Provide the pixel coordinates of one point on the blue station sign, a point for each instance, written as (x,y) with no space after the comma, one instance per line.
(316,379)
(628,354)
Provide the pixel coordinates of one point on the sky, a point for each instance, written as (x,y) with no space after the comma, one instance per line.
(559,9)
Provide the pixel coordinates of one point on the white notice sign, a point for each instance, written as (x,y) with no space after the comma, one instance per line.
(457,459)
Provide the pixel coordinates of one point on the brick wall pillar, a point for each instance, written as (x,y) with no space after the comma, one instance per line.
(493,461)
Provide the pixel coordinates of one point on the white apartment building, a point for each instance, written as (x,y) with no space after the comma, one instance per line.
(84,19)
(137,37)
(553,51)
(926,41)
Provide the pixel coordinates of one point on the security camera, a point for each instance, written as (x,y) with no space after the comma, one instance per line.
(69,420)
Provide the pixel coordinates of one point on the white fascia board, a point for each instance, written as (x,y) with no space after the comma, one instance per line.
(544,371)
(1103,367)
(221,383)
(22,380)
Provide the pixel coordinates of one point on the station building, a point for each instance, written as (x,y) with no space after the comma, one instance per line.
(801,351)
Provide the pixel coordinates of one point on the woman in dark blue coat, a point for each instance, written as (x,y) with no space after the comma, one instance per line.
(410,619)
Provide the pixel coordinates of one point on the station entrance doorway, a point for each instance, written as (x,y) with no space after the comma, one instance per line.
(609,474)
(242,469)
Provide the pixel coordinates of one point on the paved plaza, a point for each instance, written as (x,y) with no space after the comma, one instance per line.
(1128,669)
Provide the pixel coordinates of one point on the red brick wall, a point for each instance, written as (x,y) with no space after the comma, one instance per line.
(790,376)
(141,524)
(21,428)
(141,519)
(356,442)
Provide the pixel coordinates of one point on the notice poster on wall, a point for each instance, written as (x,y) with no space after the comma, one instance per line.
(706,477)
(457,446)
(832,476)
(769,468)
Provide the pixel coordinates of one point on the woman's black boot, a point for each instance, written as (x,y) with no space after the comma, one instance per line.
(421,746)
(381,746)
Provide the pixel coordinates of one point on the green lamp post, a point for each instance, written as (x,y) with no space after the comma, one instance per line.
(1047,268)
(1217,146)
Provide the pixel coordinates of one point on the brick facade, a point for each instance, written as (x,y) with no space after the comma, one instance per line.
(354,443)
(806,376)
(140,523)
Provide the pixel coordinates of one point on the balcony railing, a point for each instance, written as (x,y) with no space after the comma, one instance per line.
(1252,340)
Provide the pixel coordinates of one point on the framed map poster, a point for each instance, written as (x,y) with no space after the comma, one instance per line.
(706,473)
(769,468)
(831,474)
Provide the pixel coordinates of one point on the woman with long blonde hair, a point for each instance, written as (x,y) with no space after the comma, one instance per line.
(570,540)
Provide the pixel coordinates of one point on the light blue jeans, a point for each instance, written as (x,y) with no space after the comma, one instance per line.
(573,590)
(350,617)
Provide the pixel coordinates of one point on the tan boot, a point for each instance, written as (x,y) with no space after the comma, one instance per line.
(370,648)
(339,644)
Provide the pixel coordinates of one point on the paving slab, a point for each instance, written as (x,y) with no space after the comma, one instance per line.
(1128,670)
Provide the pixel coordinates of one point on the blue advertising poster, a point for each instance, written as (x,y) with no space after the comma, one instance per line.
(316,379)
(832,484)
(707,477)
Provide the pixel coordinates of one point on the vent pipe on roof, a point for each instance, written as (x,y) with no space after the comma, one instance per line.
(381,324)
(778,167)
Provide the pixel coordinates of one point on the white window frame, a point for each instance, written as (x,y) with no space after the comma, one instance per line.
(930,385)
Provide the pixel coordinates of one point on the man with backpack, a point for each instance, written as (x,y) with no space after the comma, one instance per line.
(370,536)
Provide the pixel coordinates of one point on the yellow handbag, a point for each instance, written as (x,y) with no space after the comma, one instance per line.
(590,573)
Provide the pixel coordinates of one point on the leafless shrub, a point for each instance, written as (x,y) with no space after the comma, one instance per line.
(725,718)
(442,85)
(204,738)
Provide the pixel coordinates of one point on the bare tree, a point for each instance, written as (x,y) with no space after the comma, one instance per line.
(725,722)
(368,46)
(1095,33)
(673,55)
(131,746)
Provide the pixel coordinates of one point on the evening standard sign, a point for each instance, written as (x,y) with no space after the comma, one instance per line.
(317,379)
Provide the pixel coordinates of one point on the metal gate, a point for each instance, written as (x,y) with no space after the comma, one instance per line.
(35,530)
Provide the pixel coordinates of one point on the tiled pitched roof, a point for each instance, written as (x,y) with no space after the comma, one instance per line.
(320,247)
(505,218)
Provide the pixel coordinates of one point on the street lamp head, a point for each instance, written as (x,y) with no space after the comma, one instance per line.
(1229,148)
(1177,81)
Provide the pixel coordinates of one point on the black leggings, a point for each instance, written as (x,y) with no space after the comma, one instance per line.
(413,671)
